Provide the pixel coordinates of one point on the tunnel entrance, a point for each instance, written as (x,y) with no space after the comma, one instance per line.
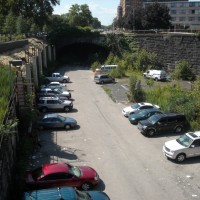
(82,53)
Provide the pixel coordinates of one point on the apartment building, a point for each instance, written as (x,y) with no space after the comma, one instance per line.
(184,13)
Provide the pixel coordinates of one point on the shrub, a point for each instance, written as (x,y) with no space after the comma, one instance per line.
(183,71)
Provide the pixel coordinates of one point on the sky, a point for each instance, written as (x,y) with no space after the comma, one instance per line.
(104,10)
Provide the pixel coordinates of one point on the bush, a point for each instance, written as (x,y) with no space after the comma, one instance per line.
(95,65)
(183,71)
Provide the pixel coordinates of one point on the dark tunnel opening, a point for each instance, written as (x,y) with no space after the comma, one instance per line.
(82,53)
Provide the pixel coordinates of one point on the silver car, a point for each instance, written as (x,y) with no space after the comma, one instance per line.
(104,78)
(54,103)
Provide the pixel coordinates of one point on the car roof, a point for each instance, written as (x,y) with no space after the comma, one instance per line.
(64,193)
(50,115)
(55,168)
(145,103)
(49,98)
(170,114)
(194,135)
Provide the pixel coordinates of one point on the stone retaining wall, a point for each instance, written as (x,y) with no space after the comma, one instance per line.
(172,48)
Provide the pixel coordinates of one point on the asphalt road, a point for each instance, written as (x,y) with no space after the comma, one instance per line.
(131,166)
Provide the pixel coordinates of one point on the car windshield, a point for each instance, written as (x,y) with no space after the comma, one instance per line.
(81,195)
(142,113)
(61,117)
(74,171)
(58,91)
(184,140)
(135,106)
(153,119)
(60,101)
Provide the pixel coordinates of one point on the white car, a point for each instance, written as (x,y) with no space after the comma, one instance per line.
(138,106)
(187,145)
(55,84)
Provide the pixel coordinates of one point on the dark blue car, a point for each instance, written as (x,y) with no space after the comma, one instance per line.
(65,193)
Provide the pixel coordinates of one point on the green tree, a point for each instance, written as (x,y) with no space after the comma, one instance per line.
(183,71)
(79,15)
(96,23)
(156,16)
(21,25)
(10,23)
(2,21)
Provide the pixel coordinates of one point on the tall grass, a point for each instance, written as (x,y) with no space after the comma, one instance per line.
(5,90)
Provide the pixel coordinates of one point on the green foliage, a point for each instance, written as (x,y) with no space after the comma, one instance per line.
(117,73)
(183,71)
(10,23)
(21,25)
(95,65)
(135,94)
(146,60)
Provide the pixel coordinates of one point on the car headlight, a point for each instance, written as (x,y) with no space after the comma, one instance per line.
(144,127)
(96,178)
(171,151)
(132,119)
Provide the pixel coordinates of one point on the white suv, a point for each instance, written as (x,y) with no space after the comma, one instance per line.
(187,145)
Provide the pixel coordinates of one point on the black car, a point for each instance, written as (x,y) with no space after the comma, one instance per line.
(160,123)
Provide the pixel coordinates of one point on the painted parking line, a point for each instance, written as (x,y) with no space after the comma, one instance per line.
(125,86)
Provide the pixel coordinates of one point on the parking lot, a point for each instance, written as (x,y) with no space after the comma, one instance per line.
(130,165)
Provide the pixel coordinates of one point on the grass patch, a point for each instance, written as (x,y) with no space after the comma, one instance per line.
(108,92)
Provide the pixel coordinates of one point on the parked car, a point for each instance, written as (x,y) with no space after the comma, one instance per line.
(61,174)
(157,75)
(64,193)
(138,106)
(186,146)
(57,77)
(160,123)
(53,85)
(60,93)
(45,104)
(143,114)
(56,121)
(103,78)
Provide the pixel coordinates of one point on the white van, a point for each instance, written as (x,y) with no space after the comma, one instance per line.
(105,68)
(157,75)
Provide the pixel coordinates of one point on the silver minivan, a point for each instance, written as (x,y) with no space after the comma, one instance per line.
(103,78)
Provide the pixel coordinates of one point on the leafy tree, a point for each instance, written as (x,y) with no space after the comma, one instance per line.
(183,71)
(2,21)
(96,23)
(156,16)
(21,25)
(79,15)
(10,23)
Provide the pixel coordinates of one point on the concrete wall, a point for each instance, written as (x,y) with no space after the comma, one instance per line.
(12,45)
(171,48)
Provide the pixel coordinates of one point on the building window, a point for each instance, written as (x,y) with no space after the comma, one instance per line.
(181,19)
(191,19)
(197,11)
(198,18)
(173,12)
(182,11)
(181,4)
(191,11)
(173,19)
(191,4)
(173,4)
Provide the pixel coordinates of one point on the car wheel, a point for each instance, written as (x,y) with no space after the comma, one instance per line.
(64,81)
(44,109)
(180,157)
(156,79)
(178,129)
(67,126)
(151,133)
(86,186)
(102,82)
(66,109)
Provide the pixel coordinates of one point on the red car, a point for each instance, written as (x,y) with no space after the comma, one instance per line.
(62,174)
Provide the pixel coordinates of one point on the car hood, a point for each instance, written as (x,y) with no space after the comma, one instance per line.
(135,116)
(87,172)
(98,195)
(70,120)
(173,145)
